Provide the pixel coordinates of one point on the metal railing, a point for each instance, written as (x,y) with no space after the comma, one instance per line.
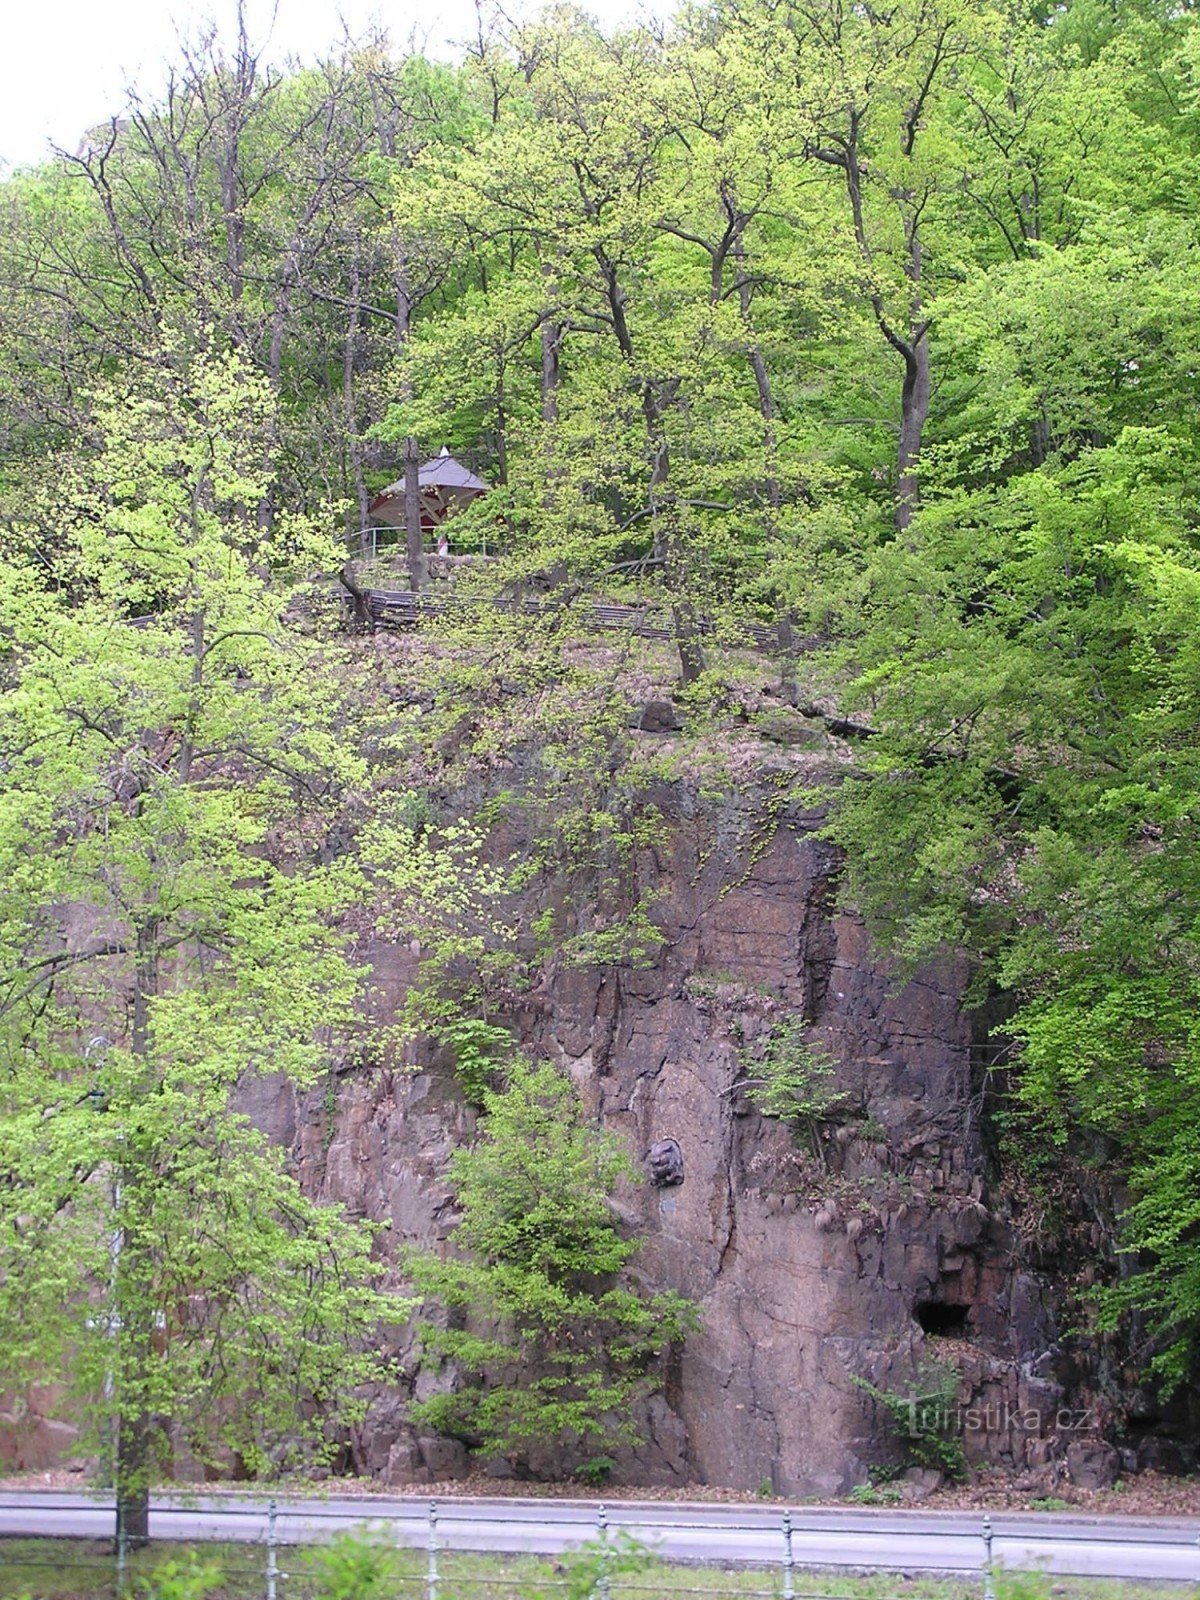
(427,1567)
(405,608)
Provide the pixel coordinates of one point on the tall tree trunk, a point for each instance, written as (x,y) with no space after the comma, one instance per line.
(552,335)
(914,410)
(664,515)
(762,381)
(350,408)
(551,369)
(501,428)
(784,632)
(552,339)
(133,1481)
(669,546)
(683,611)
(132,1316)
(237,93)
(348,579)
(912,345)
(414,542)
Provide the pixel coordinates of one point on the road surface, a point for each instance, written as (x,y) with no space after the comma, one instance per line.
(1146,1548)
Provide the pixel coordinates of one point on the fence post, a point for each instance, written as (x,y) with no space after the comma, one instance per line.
(272,1564)
(603,1585)
(431,1569)
(789,1565)
(989,1587)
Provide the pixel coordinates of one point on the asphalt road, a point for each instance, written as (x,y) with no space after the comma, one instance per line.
(1148,1548)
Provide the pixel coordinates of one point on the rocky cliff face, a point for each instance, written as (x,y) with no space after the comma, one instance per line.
(862,1250)
(866,1255)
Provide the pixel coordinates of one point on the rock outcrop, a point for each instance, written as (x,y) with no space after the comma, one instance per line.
(862,1257)
(872,1245)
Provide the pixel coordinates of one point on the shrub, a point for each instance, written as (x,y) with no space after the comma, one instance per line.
(794,1081)
(357,1565)
(926,1417)
(552,1342)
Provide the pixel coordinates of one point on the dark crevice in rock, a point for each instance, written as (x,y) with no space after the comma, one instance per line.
(942,1320)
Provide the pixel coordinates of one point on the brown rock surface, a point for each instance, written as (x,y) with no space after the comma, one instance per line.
(804,1277)
(863,1253)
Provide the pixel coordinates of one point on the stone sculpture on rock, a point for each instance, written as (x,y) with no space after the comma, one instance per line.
(664,1160)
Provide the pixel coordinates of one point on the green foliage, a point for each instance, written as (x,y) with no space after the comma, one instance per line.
(588,1567)
(595,1472)
(872,327)
(361,1564)
(632,941)
(794,1080)
(479,1049)
(926,1416)
(1022,1586)
(189,1579)
(551,1344)
(174,935)
(1030,799)
(875,1494)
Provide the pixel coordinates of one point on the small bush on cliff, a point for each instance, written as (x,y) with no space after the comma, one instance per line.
(926,1417)
(552,1344)
(794,1081)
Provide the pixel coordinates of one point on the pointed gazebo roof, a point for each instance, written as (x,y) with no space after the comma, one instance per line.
(444,486)
(444,472)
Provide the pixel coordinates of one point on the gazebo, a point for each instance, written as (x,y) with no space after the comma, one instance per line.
(445,486)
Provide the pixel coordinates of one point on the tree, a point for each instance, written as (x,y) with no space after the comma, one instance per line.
(868,86)
(1028,664)
(173,776)
(550,1344)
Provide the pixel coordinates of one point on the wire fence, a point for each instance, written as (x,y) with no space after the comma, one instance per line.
(282,1551)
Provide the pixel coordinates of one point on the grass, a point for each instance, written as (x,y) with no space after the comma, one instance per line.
(75,1569)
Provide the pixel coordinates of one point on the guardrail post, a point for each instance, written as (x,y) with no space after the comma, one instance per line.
(272,1564)
(431,1567)
(789,1564)
(603,1584)
(989,1586)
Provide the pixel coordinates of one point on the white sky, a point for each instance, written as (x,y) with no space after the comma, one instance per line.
(65,63)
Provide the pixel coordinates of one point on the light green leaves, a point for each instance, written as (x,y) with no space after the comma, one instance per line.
(169,788)
(553,1343)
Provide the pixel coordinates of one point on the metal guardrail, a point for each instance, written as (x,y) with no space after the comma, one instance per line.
(446,1574)
(440,1580)
(365,542)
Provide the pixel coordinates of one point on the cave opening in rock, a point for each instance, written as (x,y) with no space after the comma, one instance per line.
(941,1320)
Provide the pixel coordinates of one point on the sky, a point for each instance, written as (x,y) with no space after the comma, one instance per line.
(64,64)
